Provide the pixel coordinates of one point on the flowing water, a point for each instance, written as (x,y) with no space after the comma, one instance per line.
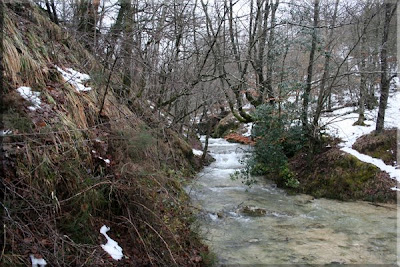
(265,225)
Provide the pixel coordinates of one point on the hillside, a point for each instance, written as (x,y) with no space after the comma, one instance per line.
(74,159)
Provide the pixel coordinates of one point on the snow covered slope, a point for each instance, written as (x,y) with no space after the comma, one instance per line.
(340,124)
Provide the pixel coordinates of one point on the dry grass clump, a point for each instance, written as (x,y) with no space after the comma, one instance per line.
(20,65)
(32,42)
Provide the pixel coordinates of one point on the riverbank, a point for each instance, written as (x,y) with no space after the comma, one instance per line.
(284,228)
(352,162)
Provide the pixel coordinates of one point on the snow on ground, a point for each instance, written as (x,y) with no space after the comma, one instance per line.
(248,127)
(5,132)
(75,78)
(31,96)
(111,247)
(248,106)
(340,124)
(151,104)
(37,262)
(197,152)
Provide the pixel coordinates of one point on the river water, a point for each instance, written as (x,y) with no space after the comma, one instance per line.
(283,228)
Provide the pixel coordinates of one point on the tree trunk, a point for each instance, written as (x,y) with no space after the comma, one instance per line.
(363,82)
(259,59)
(270,54)
(114,33)
(127,46)
(307,90)
(390,8)
(323,92)
(87,20)
(55,16)
(49,10)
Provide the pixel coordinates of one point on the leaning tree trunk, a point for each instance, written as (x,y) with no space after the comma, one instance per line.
(390,8)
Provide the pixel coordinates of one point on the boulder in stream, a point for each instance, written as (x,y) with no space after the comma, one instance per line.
(253,211)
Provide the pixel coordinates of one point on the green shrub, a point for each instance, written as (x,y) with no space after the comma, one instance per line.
(289,177)
(135,143)
(278,137)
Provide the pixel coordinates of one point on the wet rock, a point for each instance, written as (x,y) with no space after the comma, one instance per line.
(225,126)
(316,225)
(253,211)
(211,121)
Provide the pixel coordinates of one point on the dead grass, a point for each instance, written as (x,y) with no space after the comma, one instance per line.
(12,62)
(58,192)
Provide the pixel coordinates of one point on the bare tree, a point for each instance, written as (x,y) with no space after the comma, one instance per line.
(307,89)
(390,9)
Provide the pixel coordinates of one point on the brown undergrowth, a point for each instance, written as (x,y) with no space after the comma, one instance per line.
(238,138)
(67,170)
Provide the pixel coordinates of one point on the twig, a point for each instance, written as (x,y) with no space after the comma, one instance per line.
(162,239)
(140,236)
(108,85)
(85,190)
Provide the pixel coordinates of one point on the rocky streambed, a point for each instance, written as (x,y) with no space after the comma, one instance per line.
(265,225)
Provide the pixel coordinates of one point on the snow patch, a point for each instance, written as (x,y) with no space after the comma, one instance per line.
(5,132)
(75,78)
(37,262)
(213,217)
(107,161)
(197,152)
(248,127)
(248,106)
(111,247)
(340,124)
(151,104)
(391,170)
(31,96)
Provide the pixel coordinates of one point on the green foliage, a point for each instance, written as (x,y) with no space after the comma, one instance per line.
(136,143)
(244,175)
(17,121)
(209,258)
(278,137)
(289,177)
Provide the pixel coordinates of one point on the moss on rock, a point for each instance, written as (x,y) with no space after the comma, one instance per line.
(382,145)
(225,126)
(338,175)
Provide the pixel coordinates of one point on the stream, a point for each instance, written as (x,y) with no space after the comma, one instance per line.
(290,229)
